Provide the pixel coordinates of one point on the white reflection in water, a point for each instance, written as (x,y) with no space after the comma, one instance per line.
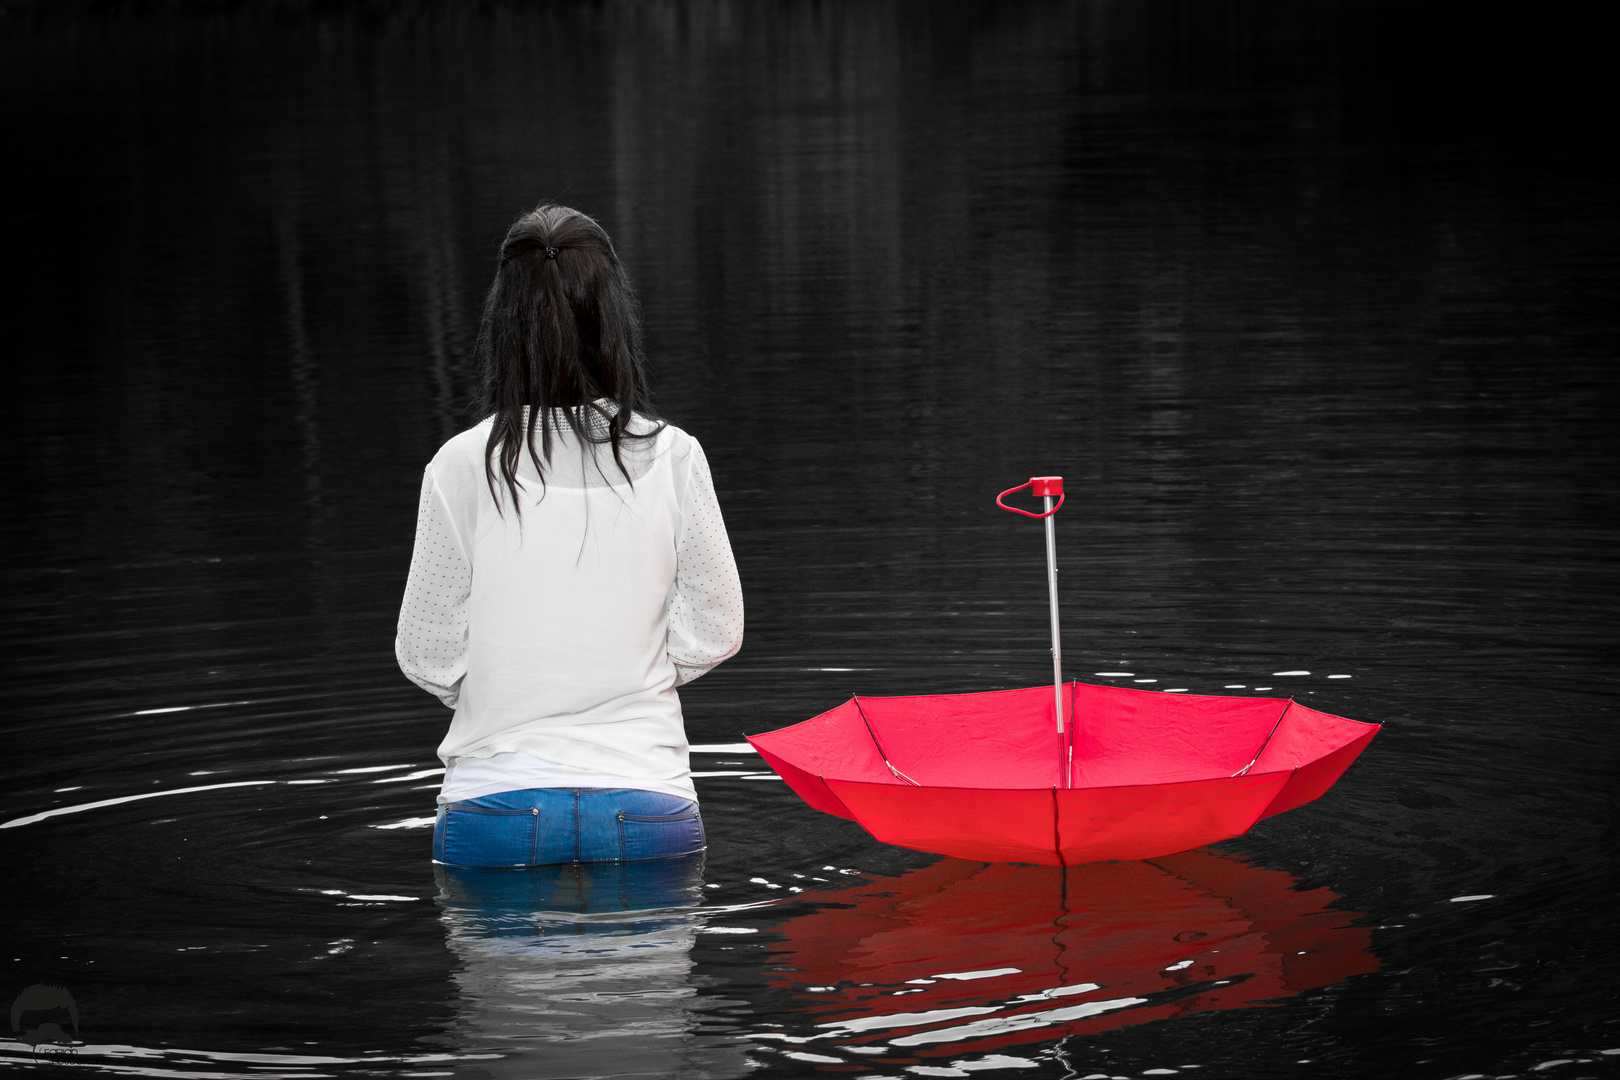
(1023,1021)
(987,973)
(1060,991)
(60,810)
(410,823)
(379,897)
(175,1063)
(187,708)
(419,774)
(565,967)
(905,1019)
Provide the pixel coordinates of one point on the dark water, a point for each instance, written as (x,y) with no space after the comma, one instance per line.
(1312,305)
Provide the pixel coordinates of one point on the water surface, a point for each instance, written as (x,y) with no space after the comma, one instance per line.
(1311,305)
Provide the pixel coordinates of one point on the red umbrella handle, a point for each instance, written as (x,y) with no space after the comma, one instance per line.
(1043,485)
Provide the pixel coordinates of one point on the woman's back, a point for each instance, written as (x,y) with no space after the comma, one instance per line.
(571,570)
(567,608)
(568,614)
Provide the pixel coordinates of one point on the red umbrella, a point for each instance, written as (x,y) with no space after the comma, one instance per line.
(1000,777)
(962,957)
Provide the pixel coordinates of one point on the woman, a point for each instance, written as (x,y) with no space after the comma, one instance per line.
(571,569)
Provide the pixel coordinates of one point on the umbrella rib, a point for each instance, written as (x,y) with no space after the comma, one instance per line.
(1057,836)
(1267,743)
(879,745)
(1068,754)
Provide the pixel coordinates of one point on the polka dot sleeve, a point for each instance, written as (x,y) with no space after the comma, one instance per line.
(431,645)
(706,608)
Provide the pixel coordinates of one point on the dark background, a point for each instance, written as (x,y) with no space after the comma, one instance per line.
(1312,304)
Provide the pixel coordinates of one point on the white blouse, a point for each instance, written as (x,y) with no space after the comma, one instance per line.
(558,635)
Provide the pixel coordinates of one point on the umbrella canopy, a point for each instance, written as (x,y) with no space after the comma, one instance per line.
(960,957)
(990,777)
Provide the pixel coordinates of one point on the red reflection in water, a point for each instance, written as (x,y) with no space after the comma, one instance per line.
(1049,953)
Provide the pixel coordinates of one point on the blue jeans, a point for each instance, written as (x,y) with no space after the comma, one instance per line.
(540,826)
(506,901)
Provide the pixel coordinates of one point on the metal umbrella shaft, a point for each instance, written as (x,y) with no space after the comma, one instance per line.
(1045,487)
(1057,640)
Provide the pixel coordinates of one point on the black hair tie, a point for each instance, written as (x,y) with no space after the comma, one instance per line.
(551,253)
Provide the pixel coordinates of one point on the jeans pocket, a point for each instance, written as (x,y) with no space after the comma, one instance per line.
(660,836)
(482,836)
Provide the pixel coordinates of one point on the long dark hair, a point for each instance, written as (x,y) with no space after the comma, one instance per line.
(559,343)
